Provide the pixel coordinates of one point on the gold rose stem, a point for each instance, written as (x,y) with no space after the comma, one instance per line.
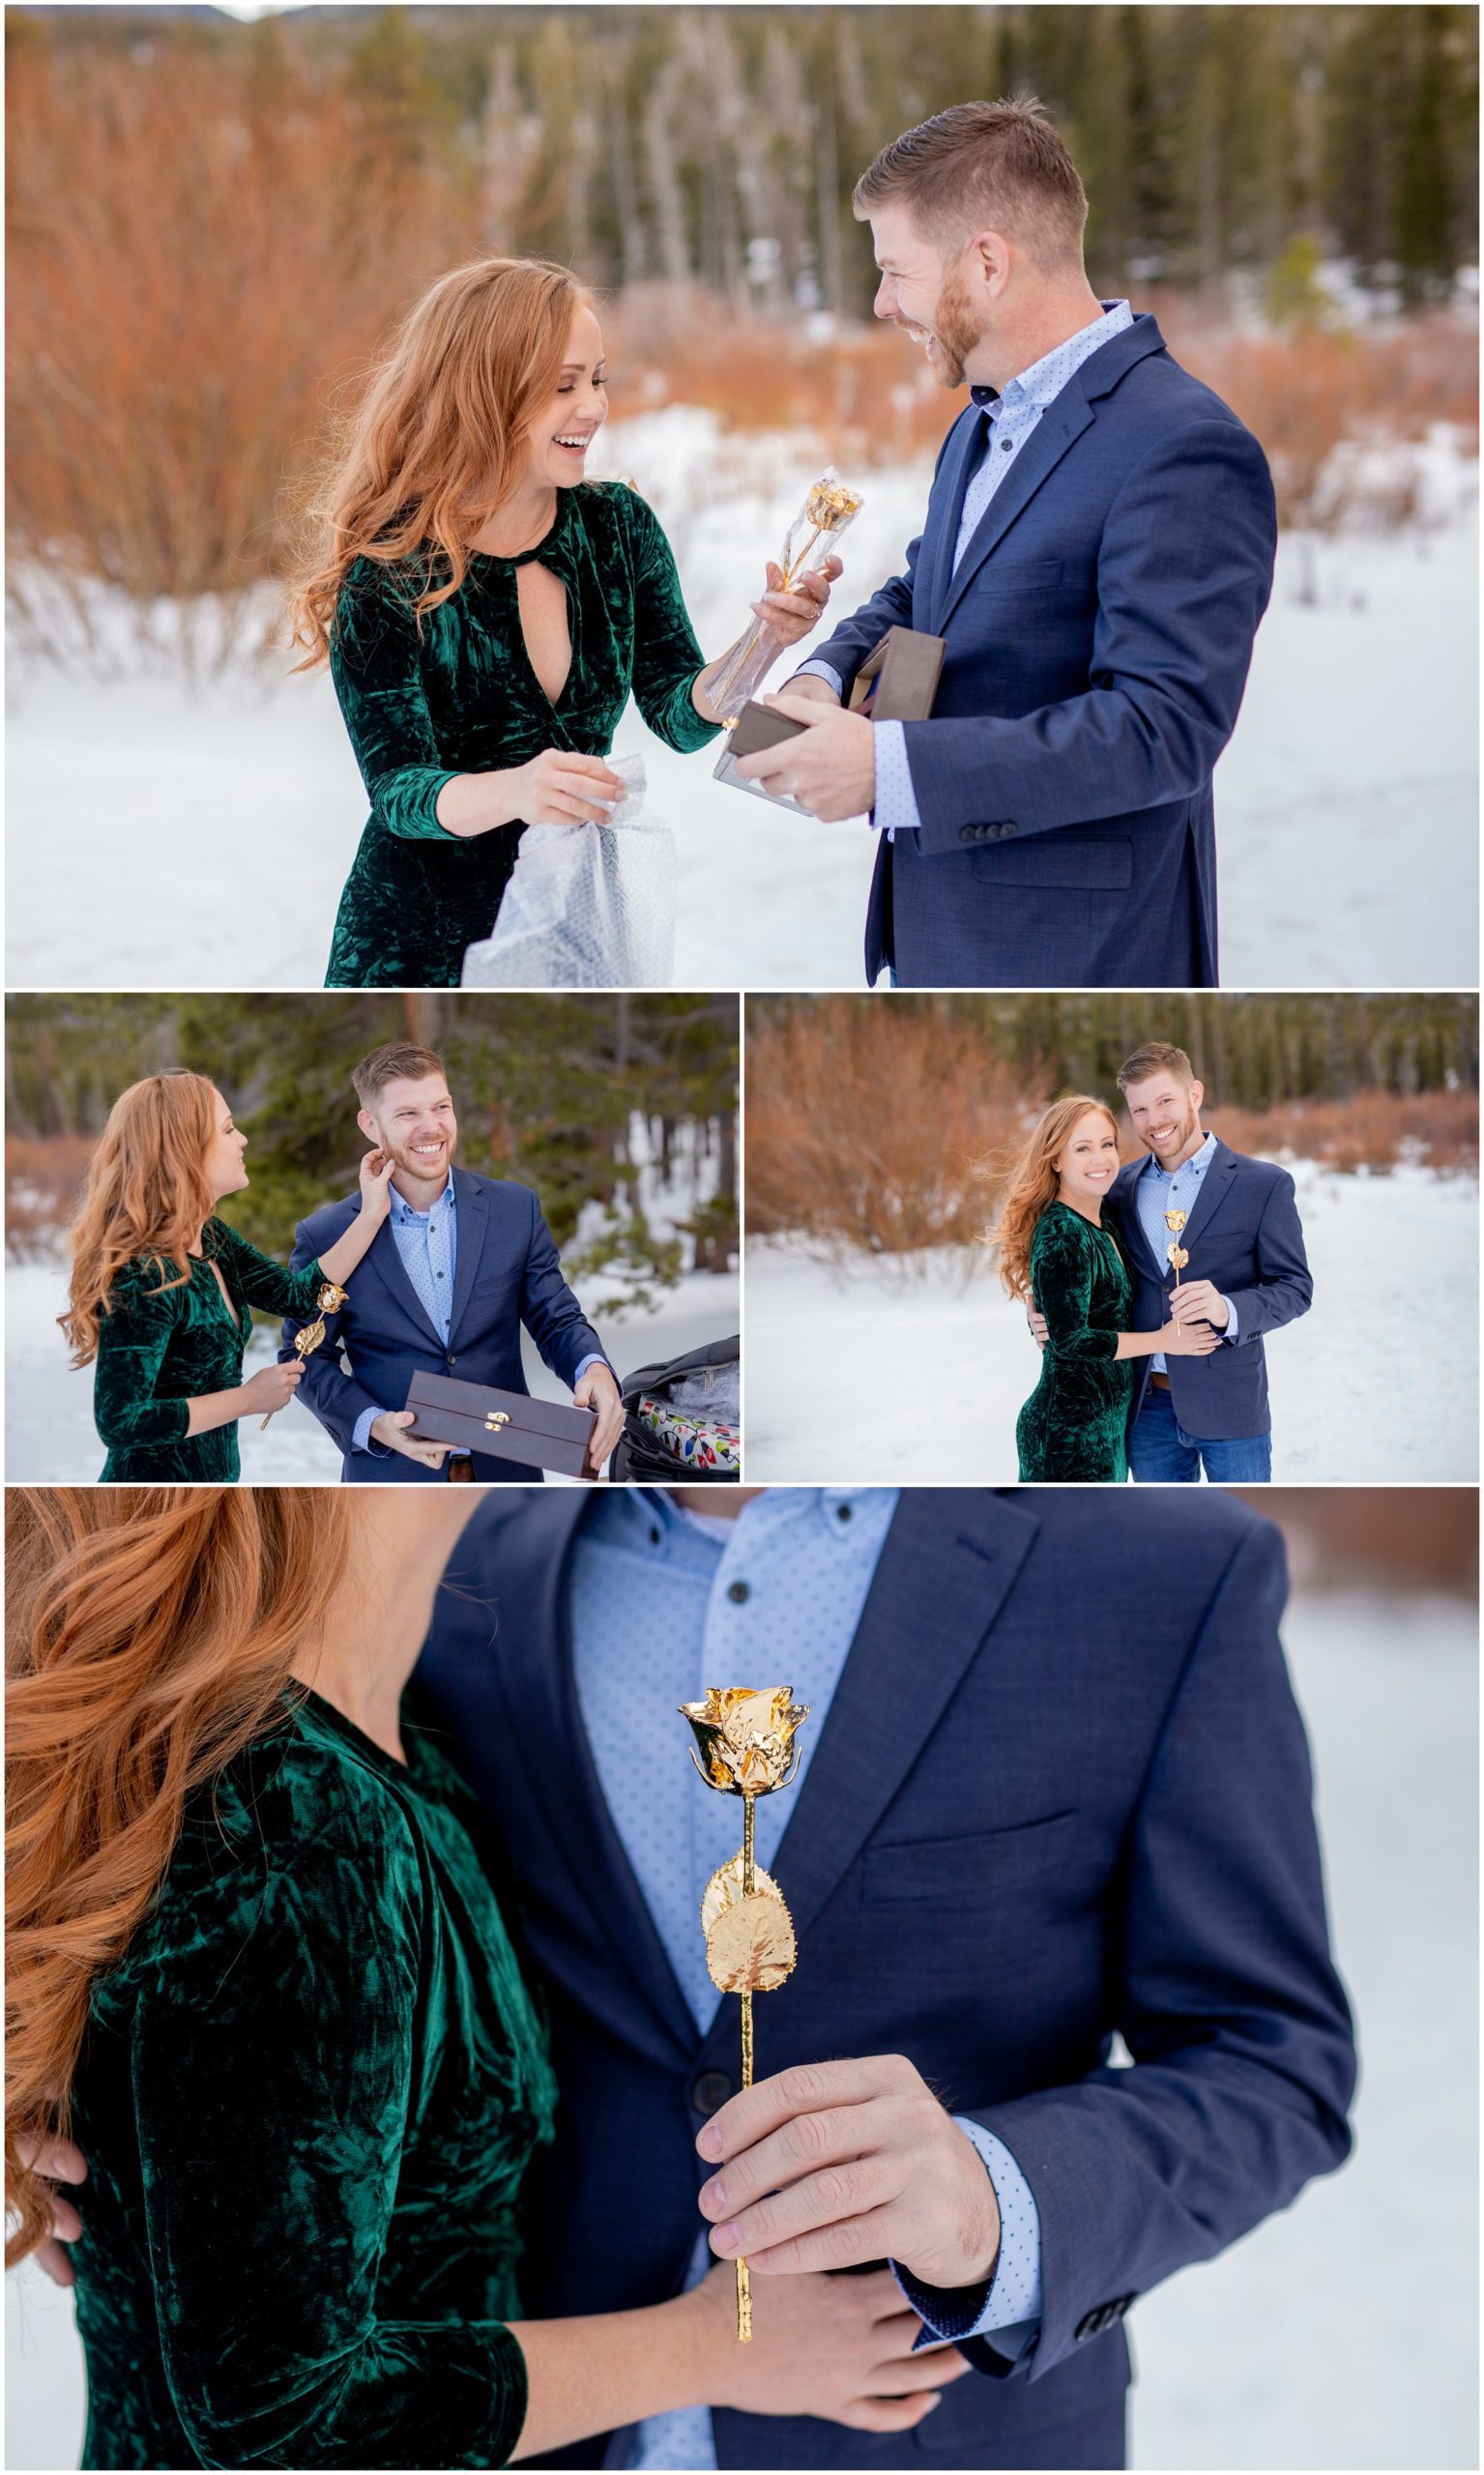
(750,1885)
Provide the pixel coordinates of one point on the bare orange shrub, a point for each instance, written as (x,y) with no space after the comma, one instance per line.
(1371,1130)
(194,255)
(44,1178)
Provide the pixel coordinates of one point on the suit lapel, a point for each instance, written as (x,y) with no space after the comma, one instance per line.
(470,1204)
(546,1716)
(1127,1195)
(382,1257)
(950,1559)
(1216,1186)
(1054,433)
(953,482)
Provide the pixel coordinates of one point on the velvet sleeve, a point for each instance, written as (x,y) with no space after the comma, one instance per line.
(668,659)
(376,664)
(276,2072)
(1062,1280)
(132,1339)
(272,1286)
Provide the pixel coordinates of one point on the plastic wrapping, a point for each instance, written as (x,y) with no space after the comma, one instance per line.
(588,906)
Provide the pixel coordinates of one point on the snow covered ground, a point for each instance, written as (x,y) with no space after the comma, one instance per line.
(1343,2333)
(899,1368)
(172,834)
(50,1438)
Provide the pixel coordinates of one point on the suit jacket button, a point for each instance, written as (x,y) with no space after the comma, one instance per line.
(1085,2326)
(1007,830)
(709,2091)
(452,1361)
(967,832)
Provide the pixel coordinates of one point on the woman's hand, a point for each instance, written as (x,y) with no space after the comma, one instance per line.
(837,2346)
(1188,1340)
(272,1387)
(558,787)
(791,616)
(376,1169)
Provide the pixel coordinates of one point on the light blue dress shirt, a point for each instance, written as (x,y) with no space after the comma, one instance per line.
(1157,1191)
(428,1242)
(1008,421)
(664,1604)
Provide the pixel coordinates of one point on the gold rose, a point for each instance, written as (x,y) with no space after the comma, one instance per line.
(329,1300)
(744,1747)
(1175,1252)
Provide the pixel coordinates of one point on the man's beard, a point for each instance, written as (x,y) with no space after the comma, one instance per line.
(405,1158)
(955,332)
(1188,1126)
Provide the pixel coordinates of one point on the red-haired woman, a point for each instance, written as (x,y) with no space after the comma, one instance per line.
(1054,1249)
(162,1289)
(258,1976)
(486,612)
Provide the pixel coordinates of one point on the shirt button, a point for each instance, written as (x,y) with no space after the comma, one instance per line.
(737,1592)
(842,1512)
(1005,445)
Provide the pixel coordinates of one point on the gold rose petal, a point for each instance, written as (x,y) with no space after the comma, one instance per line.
(751,1949)
(725,1889)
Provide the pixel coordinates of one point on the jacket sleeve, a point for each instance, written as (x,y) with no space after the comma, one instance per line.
(376,664)
(1228,2003)
(1183,575)
(668,659)
(267,1284)
(273,2070)
(334,1397)
(132,1339)
(1062,1281)
(1283,1289)
(548,1309)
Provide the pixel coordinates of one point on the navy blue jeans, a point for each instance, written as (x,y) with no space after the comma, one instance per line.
(1160,1451)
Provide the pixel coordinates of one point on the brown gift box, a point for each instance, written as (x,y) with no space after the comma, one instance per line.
(904,669)
(478,1418)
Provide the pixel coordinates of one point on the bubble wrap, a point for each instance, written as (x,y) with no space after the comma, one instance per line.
(588,906)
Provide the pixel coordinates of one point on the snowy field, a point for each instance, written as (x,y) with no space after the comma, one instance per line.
(877,1367)
(50,1438)
(202,830)
(1343,2333)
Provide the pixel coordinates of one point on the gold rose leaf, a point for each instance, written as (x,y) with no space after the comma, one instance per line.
(724,1890)
(751,1949)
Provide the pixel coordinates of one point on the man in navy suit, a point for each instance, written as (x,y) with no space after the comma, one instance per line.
(1054,1791)
(1097,553)
(1251,1276)
(459,1265)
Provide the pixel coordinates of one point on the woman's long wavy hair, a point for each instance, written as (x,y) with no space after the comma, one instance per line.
(149,1636)
(438,442)
(1033,1183)
(146,1195)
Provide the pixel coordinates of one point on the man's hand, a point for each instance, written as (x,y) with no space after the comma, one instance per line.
(1037,1327)
(1197,1301)
(59,2162)
(835,2163)
(389,1429)
(811,686)
(832,769)
(598,1390)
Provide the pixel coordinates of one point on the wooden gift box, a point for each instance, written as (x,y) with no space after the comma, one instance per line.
(479,1417)
(902,670)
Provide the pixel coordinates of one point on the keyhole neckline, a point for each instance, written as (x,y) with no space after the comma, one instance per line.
(538,550)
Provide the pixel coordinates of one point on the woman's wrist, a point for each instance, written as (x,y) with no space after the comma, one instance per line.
(705,2340)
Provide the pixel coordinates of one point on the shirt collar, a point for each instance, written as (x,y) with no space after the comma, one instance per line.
(1199,1160)
(404,1210)
(1042,383)
(831,1508)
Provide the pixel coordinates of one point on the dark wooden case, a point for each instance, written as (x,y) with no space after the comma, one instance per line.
(479,1417)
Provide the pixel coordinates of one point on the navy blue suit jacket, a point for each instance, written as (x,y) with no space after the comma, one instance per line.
(1061,1792)
(508,1272)
(1245,1234)
(1099,630)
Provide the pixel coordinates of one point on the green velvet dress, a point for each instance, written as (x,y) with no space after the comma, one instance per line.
(307,2097)
(1075,1425)
(460,696)
(158,1350)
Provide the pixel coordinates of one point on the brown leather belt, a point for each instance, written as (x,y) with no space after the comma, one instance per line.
(1161,1383)
(458,1469)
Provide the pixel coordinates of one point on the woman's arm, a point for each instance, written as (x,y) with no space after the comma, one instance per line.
(279,1291)
(1173,1340)
(132,1338)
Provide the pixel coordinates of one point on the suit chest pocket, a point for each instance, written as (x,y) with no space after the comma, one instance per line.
(984,1865)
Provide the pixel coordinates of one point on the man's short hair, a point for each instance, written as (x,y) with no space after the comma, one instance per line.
(393,1063)
(1156,1056)
(978,166)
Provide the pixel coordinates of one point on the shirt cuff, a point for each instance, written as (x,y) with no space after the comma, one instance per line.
(1230,1332)
(360,1435)
(595,1358)
(818,670)
(897,803)
(1009,2308)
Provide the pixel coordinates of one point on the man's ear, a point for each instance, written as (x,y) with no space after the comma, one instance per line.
(367,1124)
(1197,1095)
